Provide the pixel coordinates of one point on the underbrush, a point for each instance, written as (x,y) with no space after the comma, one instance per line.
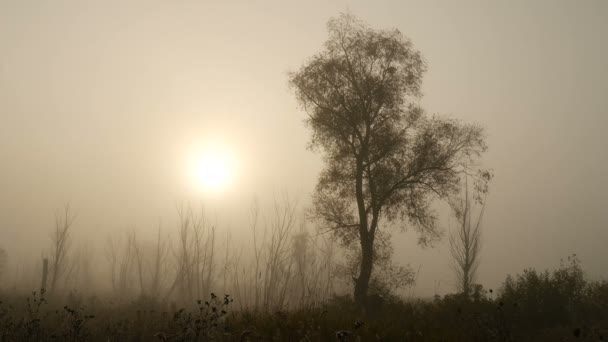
(532,306)
(451,318)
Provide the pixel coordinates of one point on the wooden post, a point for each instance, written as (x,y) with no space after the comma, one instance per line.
(45,273)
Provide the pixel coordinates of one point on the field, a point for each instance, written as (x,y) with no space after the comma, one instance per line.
(533,306)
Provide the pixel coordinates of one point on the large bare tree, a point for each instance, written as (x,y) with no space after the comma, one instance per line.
(385,160)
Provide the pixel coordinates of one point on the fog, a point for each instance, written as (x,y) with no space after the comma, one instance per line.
(103,104)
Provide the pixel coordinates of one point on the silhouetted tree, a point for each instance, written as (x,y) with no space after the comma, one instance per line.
(120,255)
(465,244)
(385,159)
(159,264)
(194,262)
(60,239)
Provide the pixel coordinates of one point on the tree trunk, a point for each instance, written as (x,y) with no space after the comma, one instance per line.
(365,272)
(367,242)
(466,286)
(54,275)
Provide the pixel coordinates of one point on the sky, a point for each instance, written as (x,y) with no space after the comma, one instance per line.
(103,104)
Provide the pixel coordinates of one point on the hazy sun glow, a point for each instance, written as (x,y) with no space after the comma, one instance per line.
(213,168)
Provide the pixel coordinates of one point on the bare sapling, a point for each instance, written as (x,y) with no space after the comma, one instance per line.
(60,239)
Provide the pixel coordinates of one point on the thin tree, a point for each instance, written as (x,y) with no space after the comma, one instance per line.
(60,239)
(159,264)
(385,160)
(279,259)
(121,257)
(465,245)
(194,260)
(138,260)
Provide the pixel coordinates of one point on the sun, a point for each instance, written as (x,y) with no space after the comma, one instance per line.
(213,169)
(212,172)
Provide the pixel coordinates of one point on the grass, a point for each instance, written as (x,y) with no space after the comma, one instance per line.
(451,318)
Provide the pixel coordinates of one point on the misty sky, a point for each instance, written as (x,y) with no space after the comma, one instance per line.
(102,102)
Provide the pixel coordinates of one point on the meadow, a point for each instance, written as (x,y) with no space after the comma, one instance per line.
(532,306)
(290,286)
